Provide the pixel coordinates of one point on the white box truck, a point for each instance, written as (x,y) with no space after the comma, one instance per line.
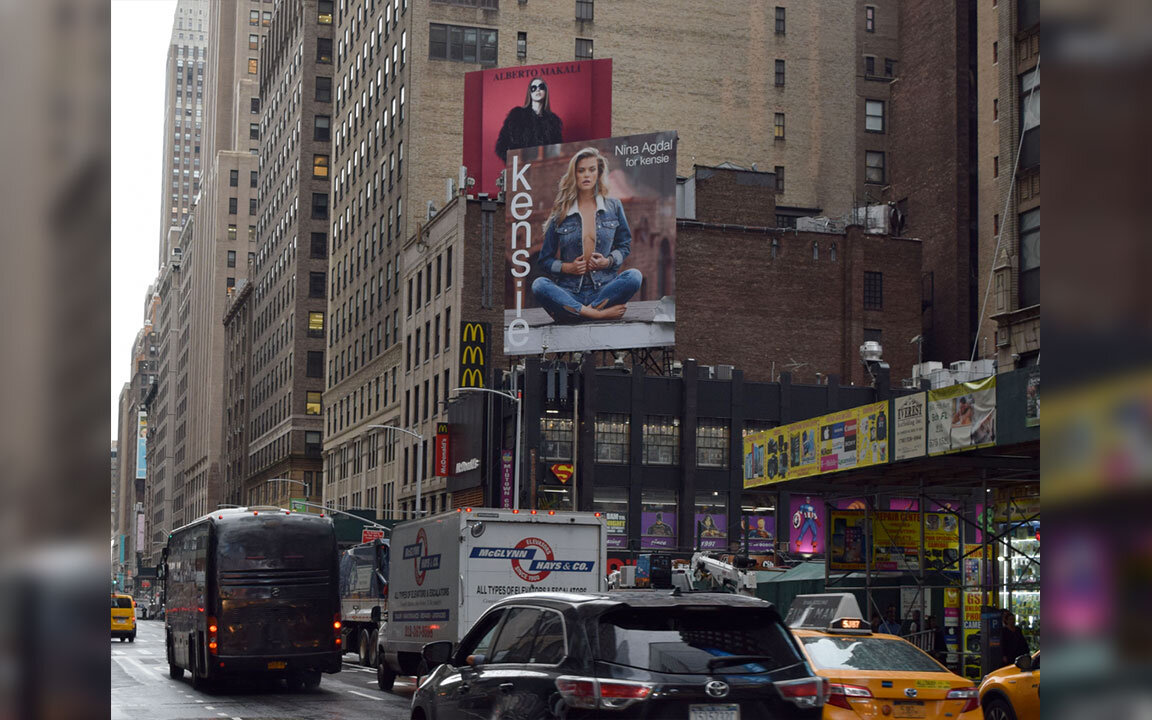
(447,569)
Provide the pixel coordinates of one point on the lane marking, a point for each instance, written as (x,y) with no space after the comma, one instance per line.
(209,707)
(364,695)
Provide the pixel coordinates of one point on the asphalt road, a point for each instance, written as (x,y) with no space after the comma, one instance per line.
(141,688)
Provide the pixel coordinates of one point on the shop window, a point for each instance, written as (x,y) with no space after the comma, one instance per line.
(612,438)
(712,443)
(661,440)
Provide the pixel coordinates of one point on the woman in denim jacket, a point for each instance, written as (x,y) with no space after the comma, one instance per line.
(585,242)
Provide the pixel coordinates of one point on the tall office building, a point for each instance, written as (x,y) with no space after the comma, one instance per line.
(183,110)
(1008,75)
(284,319)
(165,419)
(215,247)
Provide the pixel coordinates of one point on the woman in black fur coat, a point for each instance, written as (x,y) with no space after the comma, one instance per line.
(530,124)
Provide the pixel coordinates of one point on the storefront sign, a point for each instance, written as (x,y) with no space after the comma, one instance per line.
(962,417)
(368,535)
(910,431)
(507,473)
(474,353)
(466,465)
(563,471)
(442,462)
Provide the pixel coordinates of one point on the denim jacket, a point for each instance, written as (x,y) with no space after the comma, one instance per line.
(563,242)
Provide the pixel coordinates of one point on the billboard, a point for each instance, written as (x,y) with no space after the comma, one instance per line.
(842,440)
(612,286)
(506,109)
(757,531)
(807,524)
(474,353)
(909,431)
(141,445)
(893,539)
(962,417)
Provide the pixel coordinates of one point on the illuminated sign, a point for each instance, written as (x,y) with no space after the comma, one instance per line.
(442,462)
(474,354)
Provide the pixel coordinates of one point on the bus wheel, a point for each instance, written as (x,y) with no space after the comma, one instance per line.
(385,678)
(364,658)
(310,679)
(175,671)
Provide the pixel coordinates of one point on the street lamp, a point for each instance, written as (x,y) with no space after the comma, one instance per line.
(516,398)
(423,459)
(365,520)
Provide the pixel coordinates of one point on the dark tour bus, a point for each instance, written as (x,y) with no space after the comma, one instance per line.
(253,591)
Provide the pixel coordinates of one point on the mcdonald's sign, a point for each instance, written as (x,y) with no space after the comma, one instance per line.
(474,354)
(443,458)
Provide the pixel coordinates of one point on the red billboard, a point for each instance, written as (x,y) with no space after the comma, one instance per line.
(531,105)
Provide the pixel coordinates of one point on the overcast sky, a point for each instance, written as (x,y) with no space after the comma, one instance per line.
(140,33)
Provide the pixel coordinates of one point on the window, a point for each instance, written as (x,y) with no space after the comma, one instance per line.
(255,107)
(320,166)
(266,19)
(254,17)
(319,206)
(584,10)
(661,440)
(312,405)
(232,258)
(251,233)
(996,166)
(315,367)
(779,171)
(1030,119)
(316,324)
(317,282)
(996,224)
(869,18)
(779,126)
(324,12)
(319,245)
(779,73)
(1030,258)
(252,206)
(253,131)
(995,109)
(780,20)
(612,438)
(324,89)
(874,167)
(233,178)
(869,65)
(873,290)
(233,205)
(521,45)
(312,443)
(462,44)
(253,66)
(252,178)
(448,269)
(995,52)
(230,283)
(555,438)
(874,335)
(322,128)
(889,67)
(232,233)
(874,115)
(324,50)
(583,49)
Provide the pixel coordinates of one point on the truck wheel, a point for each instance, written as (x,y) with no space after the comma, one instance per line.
(310,679)
(373,641)
(364,649)
(385,678)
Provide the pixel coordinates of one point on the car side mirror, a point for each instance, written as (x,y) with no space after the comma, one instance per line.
(1024,662)
(437,653)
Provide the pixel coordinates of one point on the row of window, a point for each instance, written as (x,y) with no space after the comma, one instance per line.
(660,440)
(423,281)
(412,356)
(365,401)
(435,400)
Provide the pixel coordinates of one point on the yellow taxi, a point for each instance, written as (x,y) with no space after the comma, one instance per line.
(1013,691)
(874,675)
(123,617)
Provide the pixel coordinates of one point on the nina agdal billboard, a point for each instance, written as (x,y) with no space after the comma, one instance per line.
(530,105)
(591,245)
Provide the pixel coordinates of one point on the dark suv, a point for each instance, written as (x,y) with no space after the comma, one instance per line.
(626,654)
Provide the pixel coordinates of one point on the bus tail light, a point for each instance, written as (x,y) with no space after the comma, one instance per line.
(336,625)
(212,628)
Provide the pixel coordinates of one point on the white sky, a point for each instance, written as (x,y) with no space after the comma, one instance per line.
(140,33)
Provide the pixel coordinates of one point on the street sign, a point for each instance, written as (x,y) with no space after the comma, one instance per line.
(368,535)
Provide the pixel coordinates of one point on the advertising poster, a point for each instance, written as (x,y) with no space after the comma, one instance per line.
(507,109)
(942,541)
(962,417)
(952,623)
(141,445)
(757,530)
(839,441)
(507,479)
(712,531)
(851,504)
(808,518)
(617,529)
(612,286)
(658,529)
(971,636)
(910,429)
(848,538)
(894,540)
(1032,400)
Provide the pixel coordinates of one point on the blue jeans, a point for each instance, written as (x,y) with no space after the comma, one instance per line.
(565,305)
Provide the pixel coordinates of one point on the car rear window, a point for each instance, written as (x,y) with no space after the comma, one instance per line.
(867,653)
(121,602)
(683,639)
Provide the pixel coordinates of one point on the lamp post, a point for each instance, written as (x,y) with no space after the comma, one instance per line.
(516,398)
(290,480)
(423,460)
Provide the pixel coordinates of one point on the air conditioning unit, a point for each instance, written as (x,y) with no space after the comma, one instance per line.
(724,372)
(961,366)
(706,372)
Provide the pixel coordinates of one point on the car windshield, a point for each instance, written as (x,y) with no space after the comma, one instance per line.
(867,653)
(684,639)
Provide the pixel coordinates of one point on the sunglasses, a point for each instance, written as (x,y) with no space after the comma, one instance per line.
(537,86)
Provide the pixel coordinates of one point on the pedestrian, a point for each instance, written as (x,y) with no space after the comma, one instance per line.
(1012,641)
(937,642)
(914,623)
(891,624)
